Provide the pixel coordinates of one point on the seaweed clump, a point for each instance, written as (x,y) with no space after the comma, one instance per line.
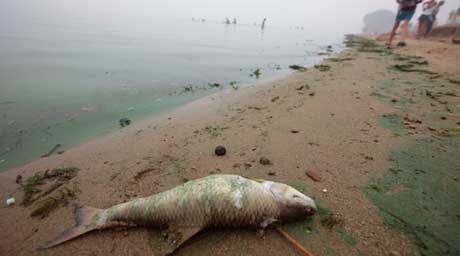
(340,59)
(362,44)
(46,190)
(256,73)
(298,68)
(410,68)
(323,67)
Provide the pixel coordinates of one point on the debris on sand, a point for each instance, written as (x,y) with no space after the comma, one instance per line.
(10,201)
(215,130)
(313,175)
(139,175)
(362,44)
(275,98)
(455,40)
(416,62)
(265,161)
(410,68)
(298,68)
(340,59)
(454,81)
(46,190)
(302,87)
(450,132)
(44,206)
(51,151)
(330,221)
(19,179)
(220,151)
(323,67)
(124,122)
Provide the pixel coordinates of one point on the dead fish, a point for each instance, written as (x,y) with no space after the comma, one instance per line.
(212,201)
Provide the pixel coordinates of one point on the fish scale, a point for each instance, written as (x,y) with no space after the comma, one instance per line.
(208,202)
(212,201)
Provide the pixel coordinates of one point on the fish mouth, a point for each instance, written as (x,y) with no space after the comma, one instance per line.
(309,210)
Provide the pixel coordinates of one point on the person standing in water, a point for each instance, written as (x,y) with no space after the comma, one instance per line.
(263,23)
(405,13)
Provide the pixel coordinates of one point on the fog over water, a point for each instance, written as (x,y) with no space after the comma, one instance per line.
(334,15)
(70,69)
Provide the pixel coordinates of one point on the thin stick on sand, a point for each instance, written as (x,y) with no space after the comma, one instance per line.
(294,242)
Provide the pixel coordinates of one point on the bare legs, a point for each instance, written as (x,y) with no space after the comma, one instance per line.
(393,32)
(422,29)
(404,34)
(405,30)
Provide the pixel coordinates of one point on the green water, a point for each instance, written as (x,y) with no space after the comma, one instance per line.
(66,78)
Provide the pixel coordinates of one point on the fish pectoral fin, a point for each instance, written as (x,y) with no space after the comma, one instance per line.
(168,240)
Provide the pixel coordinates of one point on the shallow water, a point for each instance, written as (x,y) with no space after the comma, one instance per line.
(66,82)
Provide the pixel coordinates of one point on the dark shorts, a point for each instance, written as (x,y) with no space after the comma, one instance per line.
(427,18)
(404,15)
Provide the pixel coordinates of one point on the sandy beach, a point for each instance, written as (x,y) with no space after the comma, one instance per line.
(344,121)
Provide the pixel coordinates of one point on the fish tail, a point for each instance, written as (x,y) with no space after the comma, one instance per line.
(87,218)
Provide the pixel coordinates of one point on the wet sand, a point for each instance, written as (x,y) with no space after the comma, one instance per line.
(328,122)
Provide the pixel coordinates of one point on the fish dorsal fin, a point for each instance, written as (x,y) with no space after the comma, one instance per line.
(167,241)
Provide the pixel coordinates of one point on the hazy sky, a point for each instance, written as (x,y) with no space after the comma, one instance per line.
(333,15)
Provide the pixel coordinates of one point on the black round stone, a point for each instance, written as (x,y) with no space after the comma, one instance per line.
(220,151)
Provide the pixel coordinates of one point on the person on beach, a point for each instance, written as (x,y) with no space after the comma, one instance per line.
(405,13)
(434,14)
(453,16)
(227,21)
(234,21)
(426,18)
(263,23)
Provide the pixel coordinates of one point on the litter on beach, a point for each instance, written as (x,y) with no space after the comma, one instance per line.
(10,201)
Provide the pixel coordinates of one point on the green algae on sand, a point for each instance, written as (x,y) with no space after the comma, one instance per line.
(46,190)
(421,198)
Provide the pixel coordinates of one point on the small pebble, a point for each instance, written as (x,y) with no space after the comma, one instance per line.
(220,151)
(324,190)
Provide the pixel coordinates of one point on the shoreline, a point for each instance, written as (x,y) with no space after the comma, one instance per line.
(152,116)
(341,122)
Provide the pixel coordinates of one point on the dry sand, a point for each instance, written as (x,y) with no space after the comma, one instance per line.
(330,126)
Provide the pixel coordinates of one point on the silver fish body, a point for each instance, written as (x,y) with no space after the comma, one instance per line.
(218,200)
(212,201)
